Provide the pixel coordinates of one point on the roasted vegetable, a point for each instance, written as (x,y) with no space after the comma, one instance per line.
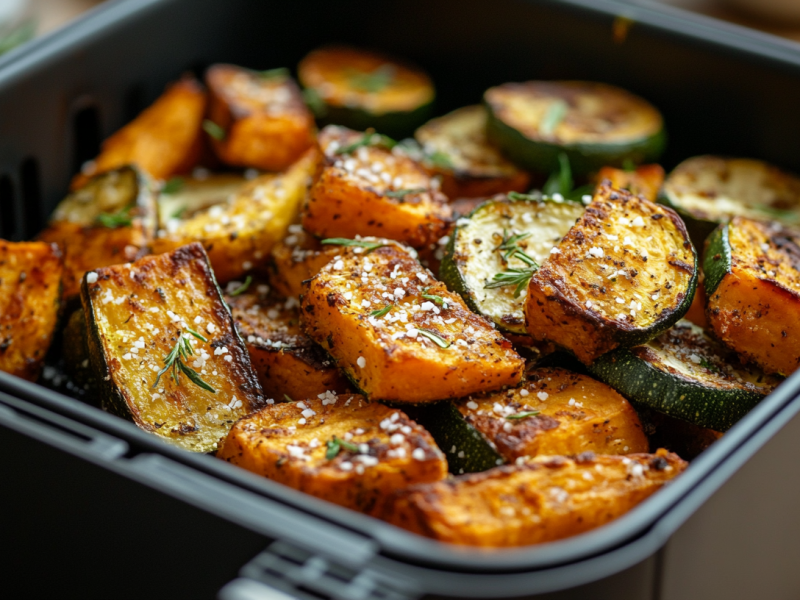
(339,448)
(645,180)
(363,89)
(623,274)
(164,140)
(261,118)
(75,354)
(493,253)
(686,374)
(398,333)
(30,301)
(165,350)
(709,190)
(286,362)
(110,220)
(548,499)
(182,197)
(239,233)
(555,413)
(296,258)
(594,124)
(362,188)
(455,147)
(753,286)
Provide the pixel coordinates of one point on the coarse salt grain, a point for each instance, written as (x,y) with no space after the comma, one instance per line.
(91,277)
(542,396)
(361,362)
(418,454)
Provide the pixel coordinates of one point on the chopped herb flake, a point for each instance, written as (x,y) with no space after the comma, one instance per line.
(242,288)
(370,138)
(433,298)
(434,337)
(553,117)
(404,193)
(441,160)
(214,130)
(369,246)
(523,415)
(174,360)
(280,72)
(374,81)
(336,445)
(122,218)
(381,311)
(517,277)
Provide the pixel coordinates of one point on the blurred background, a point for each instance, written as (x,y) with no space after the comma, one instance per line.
(21,20)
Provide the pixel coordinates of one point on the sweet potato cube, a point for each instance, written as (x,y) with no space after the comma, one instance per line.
(164,140)
(30,299)
(398,333)
(338,448)
(264,120)
(363,188)
(540,501)
(138,315)
(297,257)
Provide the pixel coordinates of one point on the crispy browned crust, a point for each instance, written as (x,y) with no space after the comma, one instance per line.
(30,301)
(280,443)
(645,181)
(541,501)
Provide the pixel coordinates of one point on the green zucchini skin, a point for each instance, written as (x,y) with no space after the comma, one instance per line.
(398,124)
(638,374)
(473,452)
(717,260)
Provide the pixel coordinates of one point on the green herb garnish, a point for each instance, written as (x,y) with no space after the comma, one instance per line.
(553,117)
(173,186)
(404,193)
(373,81)
(440,159)
(214,130)
(707,365)
(560,181)
(242,288)
(433,298)
(517,277)
(370,138)
(174,360)
(281,72)
(510,248)
(527,197)
(178,214)
(523,415)
(335,446)
(122,218)
(381,311)
(434,337)
(199,336)
(315,102)
(369,246)
(286,397)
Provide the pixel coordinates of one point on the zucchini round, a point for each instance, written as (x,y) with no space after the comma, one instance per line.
(475,253)
(361,89)
(594,124)
(686,374)
(455,147)
(709,190)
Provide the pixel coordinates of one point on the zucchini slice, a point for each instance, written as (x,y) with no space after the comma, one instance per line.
(504,236)
(455,147)
(399,334)
(165,140)
(594,124)
(363,188)
(167,311)
(30,304)
(239,233)
(338,448)
(644,180)
(286,361)
(709,190)
(554,413)
(686,374)
(544,500)
(260,117)
(110,220)
(752,279)
(361,89)
(297,257)
(623,274)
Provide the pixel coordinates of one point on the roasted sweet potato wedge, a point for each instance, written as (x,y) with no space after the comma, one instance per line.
(540,501)
(262,119)
(164,140)
(110,220)
(362,188)
(338,448)
(286,361)
(399,334)
(30,301)
(239,233)
(645,180)
(297,257)
(165,350)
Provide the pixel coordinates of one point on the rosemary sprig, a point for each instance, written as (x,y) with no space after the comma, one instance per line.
(173,185)
(560,181)
(433,298)
(174,361)
(381,311)
(435,338)
(335,446)
(369,246)
(214,130)
(523,415)
(199,336)
(403,193)
(553,117)
(510,248)
(373,81)
(122,218)
(242,288)
(517,277)
(370,138)
(287,398)
(440,159)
